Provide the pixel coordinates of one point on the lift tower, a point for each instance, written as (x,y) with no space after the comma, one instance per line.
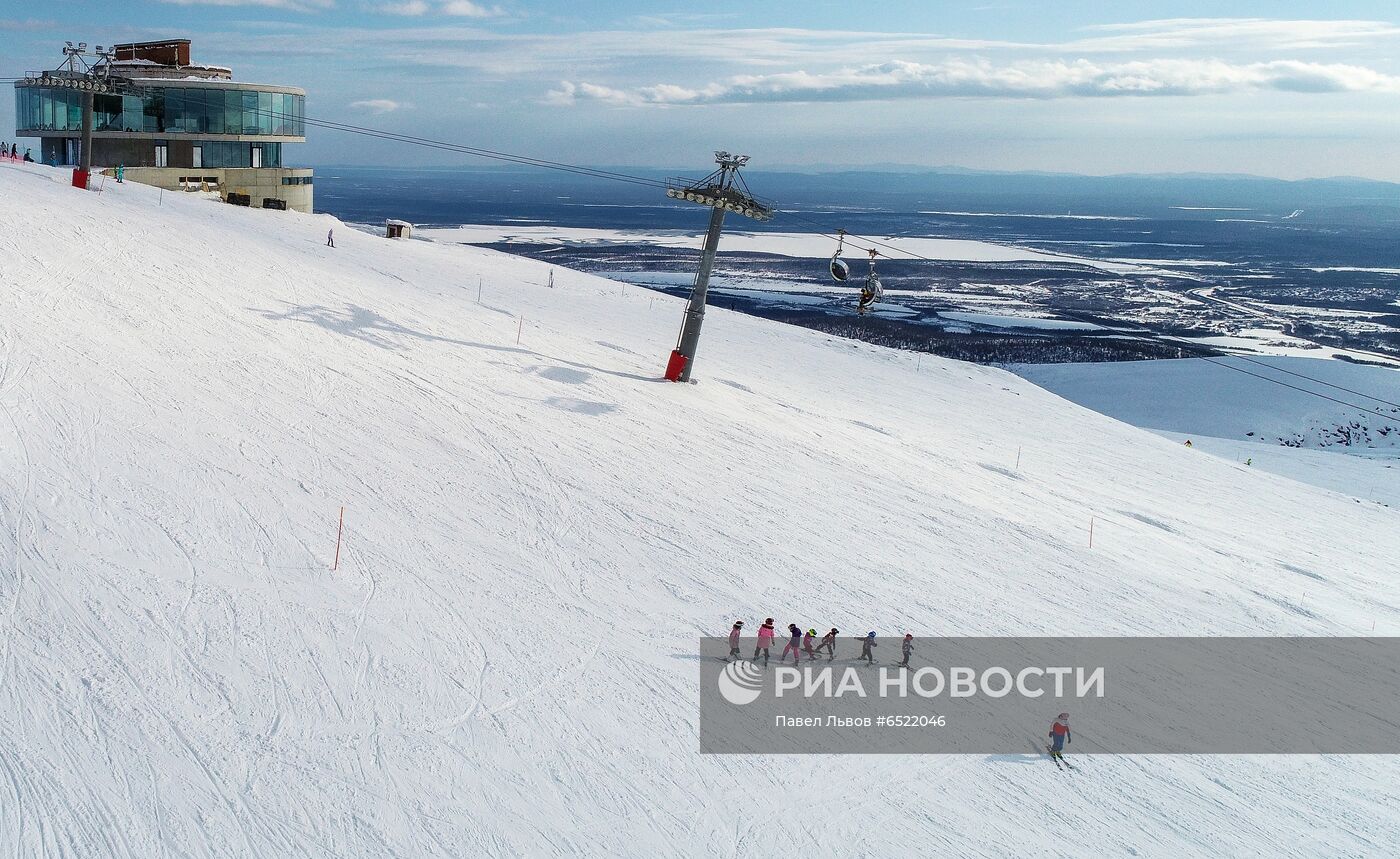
(88,79)
(722,191)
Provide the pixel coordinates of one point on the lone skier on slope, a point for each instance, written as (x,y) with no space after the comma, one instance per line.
(794,644)
(867,648)
(829,644)
(1059,735)
(765,640)
(734,634)
(330,237)
(908,648)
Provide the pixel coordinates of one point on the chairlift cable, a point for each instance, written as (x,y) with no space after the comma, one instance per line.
(1197,350)
(841,238)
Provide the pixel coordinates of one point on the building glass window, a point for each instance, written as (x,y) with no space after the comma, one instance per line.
(233,112)
(161,109)
(153,111)
(133,114)
(211,111)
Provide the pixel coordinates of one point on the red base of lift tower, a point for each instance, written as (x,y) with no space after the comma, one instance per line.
(80,178)
(675,366)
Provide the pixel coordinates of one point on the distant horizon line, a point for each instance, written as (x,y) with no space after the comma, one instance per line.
(893,169)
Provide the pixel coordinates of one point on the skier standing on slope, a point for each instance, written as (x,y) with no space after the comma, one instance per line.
(734,634)
(807,644)
(794,644)
(829,644)
(867,648)
(908,648)
(765,640)
(330,237)
(1059,735)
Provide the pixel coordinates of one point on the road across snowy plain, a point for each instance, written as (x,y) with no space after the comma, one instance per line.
(536,534)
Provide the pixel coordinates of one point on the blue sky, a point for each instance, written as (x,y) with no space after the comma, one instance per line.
(1287,89)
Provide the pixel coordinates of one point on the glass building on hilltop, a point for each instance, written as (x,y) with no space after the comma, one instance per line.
(180,125)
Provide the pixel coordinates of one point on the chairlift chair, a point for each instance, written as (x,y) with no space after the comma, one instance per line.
(872,290)
(839,270)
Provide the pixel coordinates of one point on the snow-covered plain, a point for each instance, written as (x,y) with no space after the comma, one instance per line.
(536,534)
(800,245)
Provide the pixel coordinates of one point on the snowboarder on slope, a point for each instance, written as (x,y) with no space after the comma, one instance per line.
(807,644)
(908,648)
(829,644)
(867,646)
(794,644)
(330,237)
(765,640)
(1059,735)
(734,634)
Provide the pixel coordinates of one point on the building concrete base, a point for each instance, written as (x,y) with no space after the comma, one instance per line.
(258,183)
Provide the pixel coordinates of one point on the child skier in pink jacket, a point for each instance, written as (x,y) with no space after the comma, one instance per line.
(734,634)
(765,640)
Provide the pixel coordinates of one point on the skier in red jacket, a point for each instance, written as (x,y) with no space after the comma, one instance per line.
(1059,735)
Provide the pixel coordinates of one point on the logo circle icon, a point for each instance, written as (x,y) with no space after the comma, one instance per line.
(740,683)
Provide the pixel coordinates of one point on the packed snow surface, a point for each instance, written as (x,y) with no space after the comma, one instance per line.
(1302,402)
(1369,475)
(536,533)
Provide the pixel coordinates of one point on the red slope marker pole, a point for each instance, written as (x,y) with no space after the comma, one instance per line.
(338,531)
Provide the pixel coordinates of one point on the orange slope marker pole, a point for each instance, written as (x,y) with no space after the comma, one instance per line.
(338,531)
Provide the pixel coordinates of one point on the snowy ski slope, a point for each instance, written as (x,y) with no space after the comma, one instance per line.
(537,533)
(1304,402)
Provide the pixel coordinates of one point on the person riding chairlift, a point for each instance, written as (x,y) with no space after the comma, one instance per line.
(871,291)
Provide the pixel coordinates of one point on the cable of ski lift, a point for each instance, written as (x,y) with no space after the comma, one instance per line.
(1197,351)
(841,237)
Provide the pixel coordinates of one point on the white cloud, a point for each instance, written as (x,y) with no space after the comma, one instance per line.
(981,78)
(293,5)
(1236,33)
(379,105)
(677,51)
(26,25)
(468,9)
(402,7)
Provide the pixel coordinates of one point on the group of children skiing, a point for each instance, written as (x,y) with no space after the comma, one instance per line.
(800,643)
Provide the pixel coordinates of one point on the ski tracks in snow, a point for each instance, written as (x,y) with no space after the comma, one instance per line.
(8,383)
